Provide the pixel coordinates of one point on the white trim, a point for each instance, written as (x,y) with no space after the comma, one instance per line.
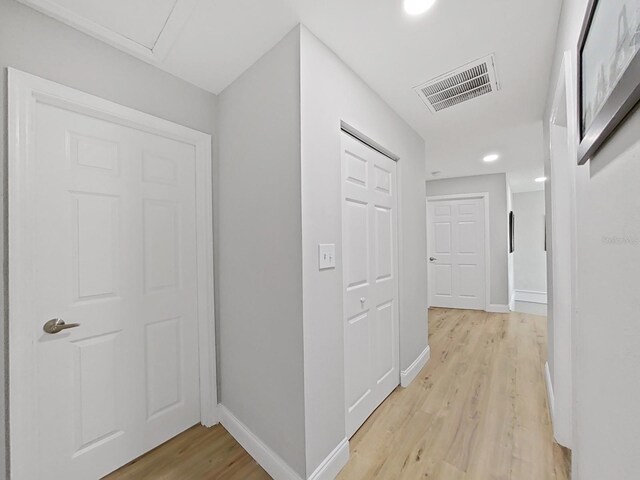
(169,34)
(530,296)
(437,198)
(206,301)
(487,238)
(407,376)
(550,396)
(497,308)
(358,135)
(273,464)
(333,464)
(512,300)
(24,92)
(563,171)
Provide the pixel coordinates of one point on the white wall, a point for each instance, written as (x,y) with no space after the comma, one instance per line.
(260,252)
(36,44)
(606,332)
(607,381)
(530,258)
(331,92)
(496,186)
(281,319)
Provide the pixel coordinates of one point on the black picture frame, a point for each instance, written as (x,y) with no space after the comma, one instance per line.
(622,100)
(512,232)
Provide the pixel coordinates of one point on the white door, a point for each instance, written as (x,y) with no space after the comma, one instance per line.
(370,275)
(456,246)
(111,213)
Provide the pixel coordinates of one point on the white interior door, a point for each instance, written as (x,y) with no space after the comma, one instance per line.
(370,239)
(456,246)
(111,217)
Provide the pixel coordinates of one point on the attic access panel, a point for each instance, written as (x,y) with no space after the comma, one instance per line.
(144,28)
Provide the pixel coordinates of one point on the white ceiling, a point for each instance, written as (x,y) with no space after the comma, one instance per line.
(141,21)
(392,52)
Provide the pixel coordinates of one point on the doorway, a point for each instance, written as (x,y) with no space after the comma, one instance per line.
(370,278)
(529,255)
(458,251)
(110,277)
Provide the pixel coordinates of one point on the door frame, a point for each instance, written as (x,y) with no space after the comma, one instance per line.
(562,263)
(24,92)
(487,241)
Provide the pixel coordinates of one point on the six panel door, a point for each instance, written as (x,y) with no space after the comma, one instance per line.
(115,238)
(457,253)
(370,274)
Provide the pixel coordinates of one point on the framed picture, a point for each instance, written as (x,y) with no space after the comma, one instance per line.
(608,70)
(512,232)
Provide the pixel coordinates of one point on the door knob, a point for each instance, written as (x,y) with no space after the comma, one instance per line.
(432,259)
(362,299)
(56,325)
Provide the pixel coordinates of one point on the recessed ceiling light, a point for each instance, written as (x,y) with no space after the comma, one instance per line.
(541,179)
(491,157)
(416,7)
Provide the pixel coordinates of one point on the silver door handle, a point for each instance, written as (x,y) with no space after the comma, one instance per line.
(56,325)
(432,259)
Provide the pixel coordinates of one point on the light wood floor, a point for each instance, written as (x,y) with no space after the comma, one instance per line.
(477,411)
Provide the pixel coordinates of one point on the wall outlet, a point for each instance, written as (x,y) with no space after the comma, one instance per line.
(326,256)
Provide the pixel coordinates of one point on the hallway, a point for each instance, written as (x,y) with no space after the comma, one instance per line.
(477,411)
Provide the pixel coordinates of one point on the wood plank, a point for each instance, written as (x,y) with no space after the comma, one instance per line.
(476,411)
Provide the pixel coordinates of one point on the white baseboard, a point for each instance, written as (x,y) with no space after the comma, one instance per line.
(550,397)
(531,296)
(496,308)
(407,376)
(335,461)
(273,464)
(267,458)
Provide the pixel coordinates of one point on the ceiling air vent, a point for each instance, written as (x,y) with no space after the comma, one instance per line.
(465,83)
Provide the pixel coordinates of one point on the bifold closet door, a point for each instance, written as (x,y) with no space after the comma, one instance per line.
(370,263)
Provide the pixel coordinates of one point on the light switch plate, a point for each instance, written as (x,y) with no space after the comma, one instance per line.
(326,256)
